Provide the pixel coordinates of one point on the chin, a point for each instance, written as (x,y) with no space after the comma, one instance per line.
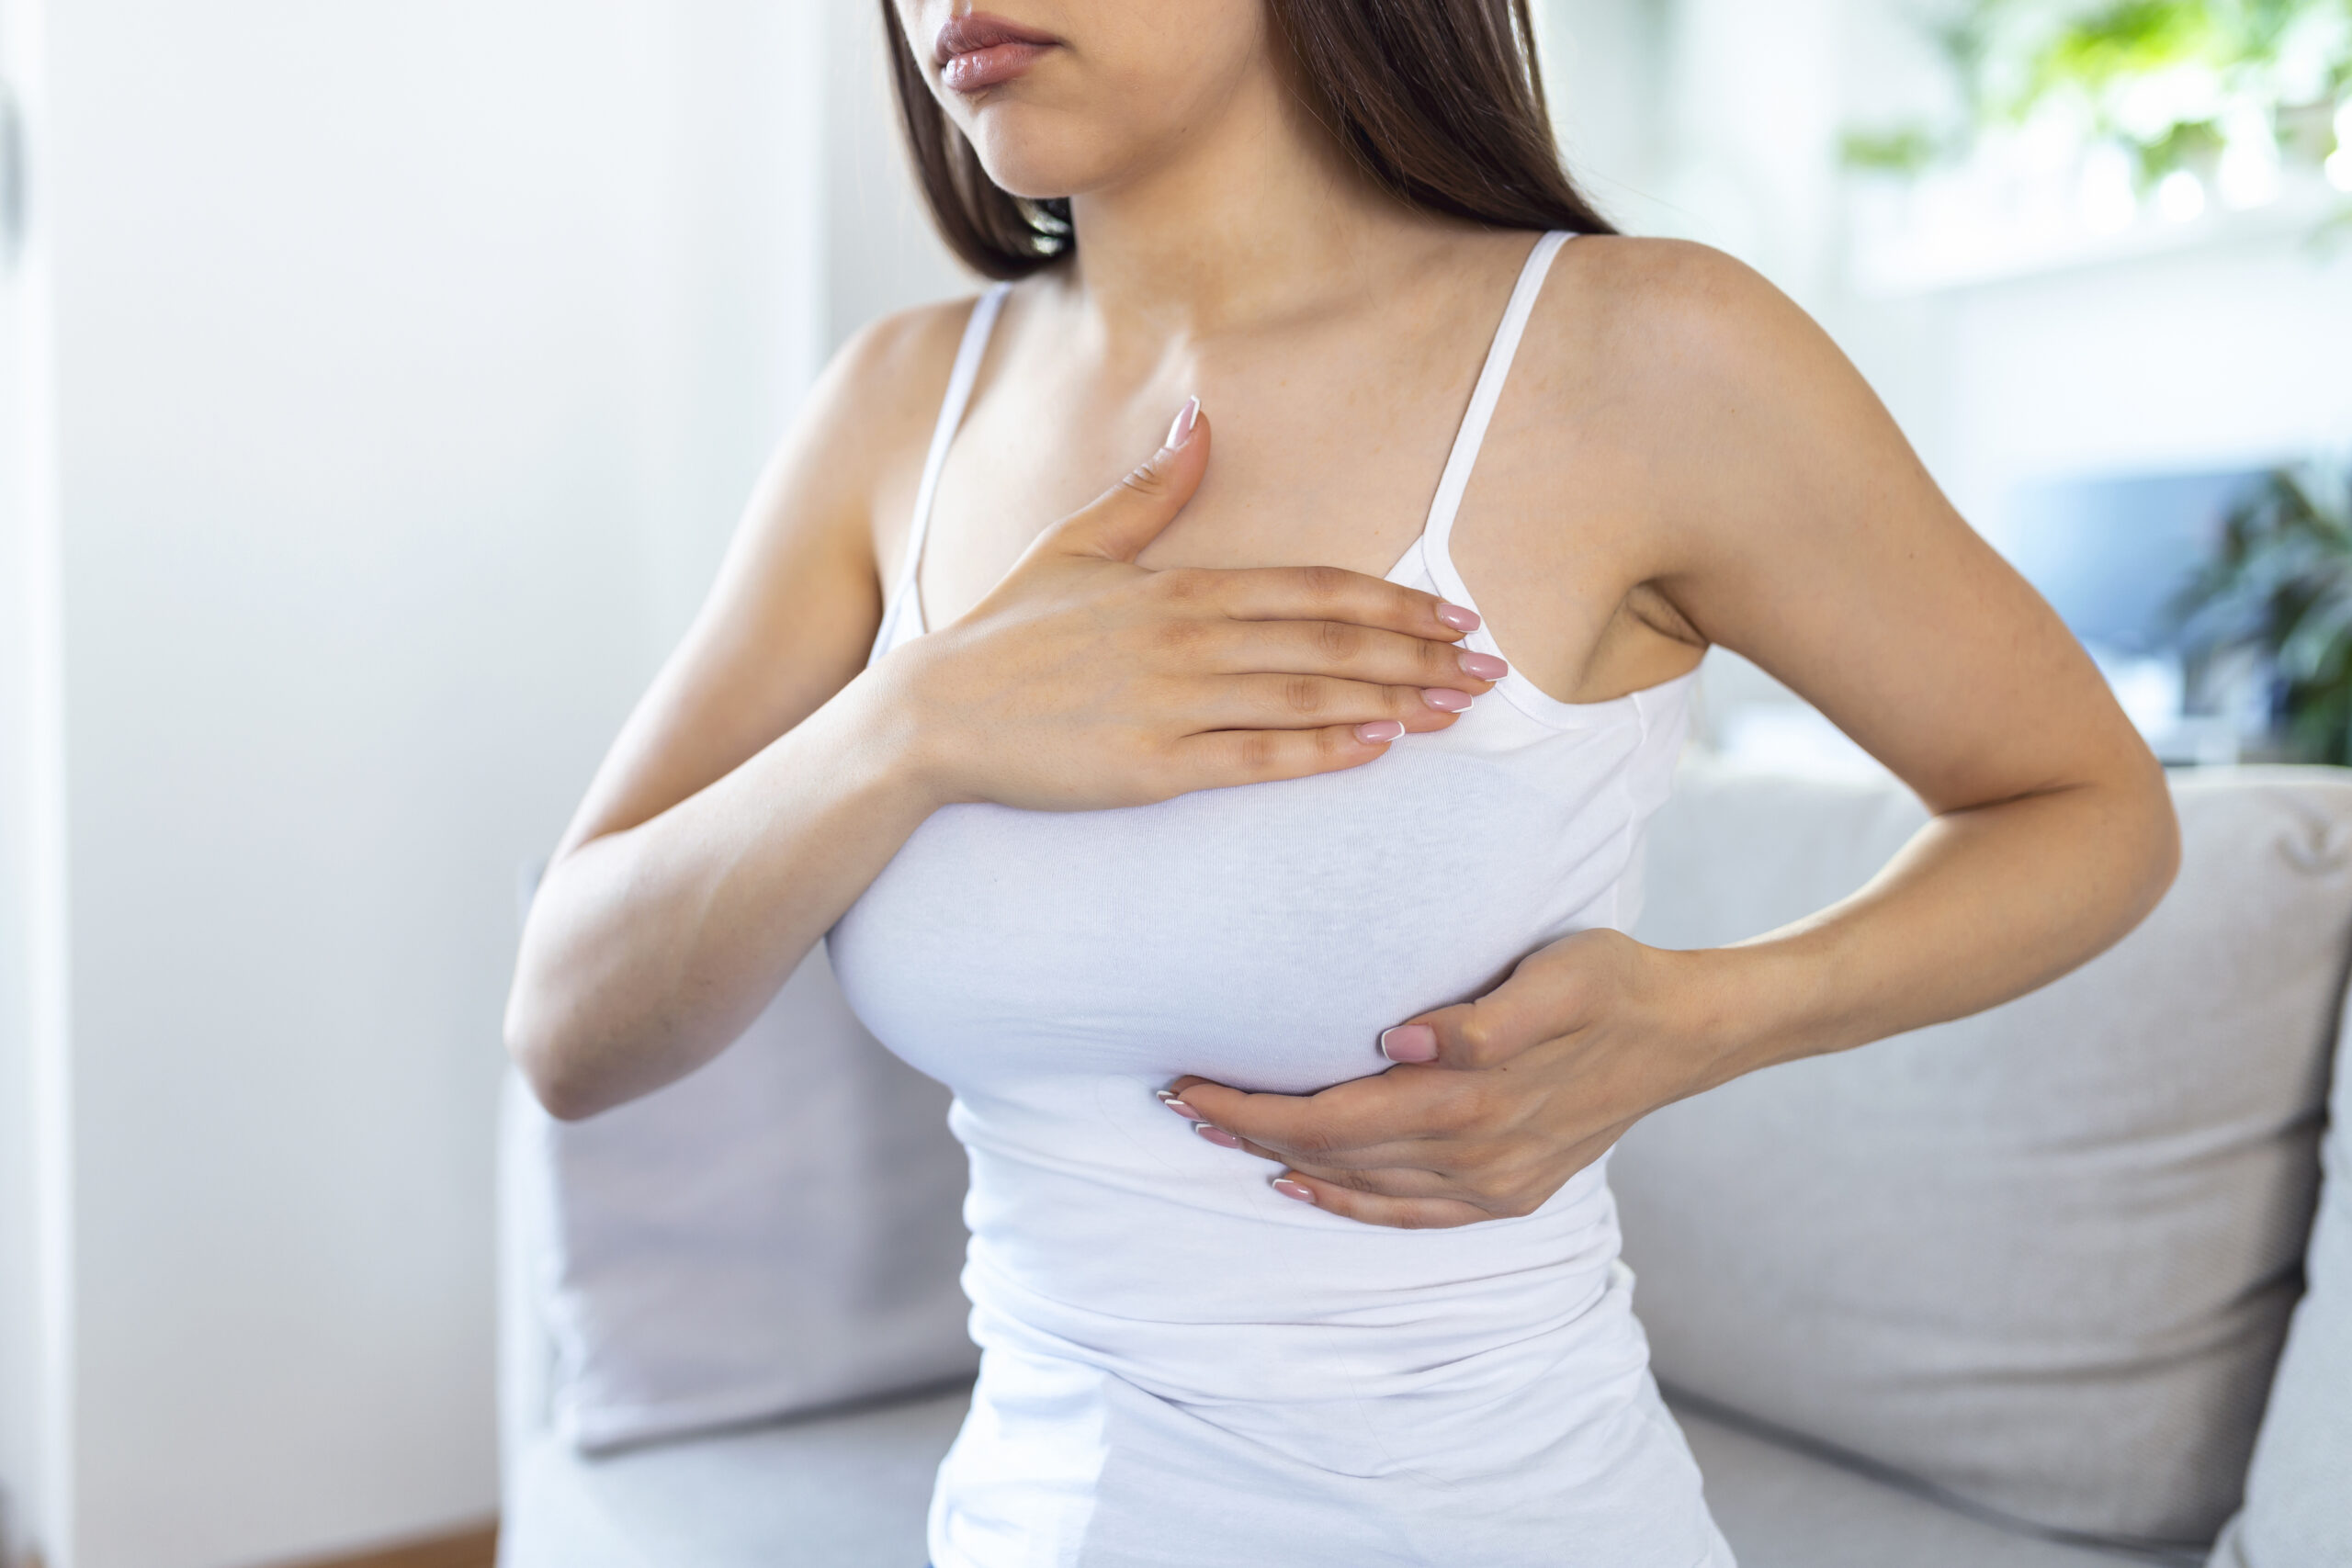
(1038,155)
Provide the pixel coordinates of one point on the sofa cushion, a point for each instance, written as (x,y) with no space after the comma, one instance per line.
(1780,1507)
(777,1232)
(848,1490)
(2298,1495)
(2041,1259)
(851,1491)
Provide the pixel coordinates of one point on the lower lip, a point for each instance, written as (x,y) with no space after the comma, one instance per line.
(992,67)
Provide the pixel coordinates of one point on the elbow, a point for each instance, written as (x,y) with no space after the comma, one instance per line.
(2167,869)
(551,1064)
(562,1097)
(2164,863)
(2155,845)
(565,1064)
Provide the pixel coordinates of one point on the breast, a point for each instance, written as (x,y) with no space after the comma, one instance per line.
(1262,936)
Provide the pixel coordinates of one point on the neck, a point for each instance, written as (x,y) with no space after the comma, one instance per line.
(1261,217)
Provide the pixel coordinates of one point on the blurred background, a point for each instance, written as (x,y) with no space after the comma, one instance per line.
(378,389)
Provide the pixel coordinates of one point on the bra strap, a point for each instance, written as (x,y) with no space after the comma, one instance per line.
(974,349)
(1489,392)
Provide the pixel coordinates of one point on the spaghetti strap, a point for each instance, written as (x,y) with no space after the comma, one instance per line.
(904,599)
(1433,544)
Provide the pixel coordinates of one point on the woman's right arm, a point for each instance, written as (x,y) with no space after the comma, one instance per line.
(752,795)
(770,774)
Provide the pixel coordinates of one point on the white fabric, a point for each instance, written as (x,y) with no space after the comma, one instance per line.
(2042,1258)
(1180,1366)
(775,1232)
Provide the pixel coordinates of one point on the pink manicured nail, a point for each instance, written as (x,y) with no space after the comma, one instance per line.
(1182,431)
(1290,1188)
(1409,1042)
(1457,617)
(1216,1135)
(1448,702)
(1380,732)
(1484,667)
(1178,1106)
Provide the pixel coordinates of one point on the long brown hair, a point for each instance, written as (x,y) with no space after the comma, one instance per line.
(1438,100)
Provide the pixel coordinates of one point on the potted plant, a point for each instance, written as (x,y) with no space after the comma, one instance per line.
(2279,587)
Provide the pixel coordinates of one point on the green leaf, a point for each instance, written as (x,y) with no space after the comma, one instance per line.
(1907,150)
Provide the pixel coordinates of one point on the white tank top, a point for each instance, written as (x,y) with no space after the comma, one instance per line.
(1180,1366)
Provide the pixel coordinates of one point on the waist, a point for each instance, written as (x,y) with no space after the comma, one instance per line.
(1130,1245)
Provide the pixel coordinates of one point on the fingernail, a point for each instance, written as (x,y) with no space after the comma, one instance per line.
(1181,1109)
(1290,1188)
(1182,431)
(1447,702)
(1457,617)
(1484,667)
(1216,1135)
(1409,1042)
(1380,732)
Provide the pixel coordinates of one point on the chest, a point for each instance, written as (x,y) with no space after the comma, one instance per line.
(1327,449)
(1310,462)
(1263,935)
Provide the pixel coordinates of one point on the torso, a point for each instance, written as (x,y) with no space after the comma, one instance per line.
(1329,435)
(1158,1326)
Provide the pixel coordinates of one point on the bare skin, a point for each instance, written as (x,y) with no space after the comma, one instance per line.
(1682,459)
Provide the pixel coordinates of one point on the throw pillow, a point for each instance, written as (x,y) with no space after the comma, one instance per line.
(2041,1259)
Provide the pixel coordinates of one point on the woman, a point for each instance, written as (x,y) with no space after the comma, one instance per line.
(1192,795)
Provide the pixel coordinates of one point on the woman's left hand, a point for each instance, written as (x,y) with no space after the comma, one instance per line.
(1495,1103)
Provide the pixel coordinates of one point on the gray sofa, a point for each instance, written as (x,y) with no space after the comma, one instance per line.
(2009,1291)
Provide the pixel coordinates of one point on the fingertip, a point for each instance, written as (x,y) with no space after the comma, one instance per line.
(1177,1104)
(1295,1190)
(1409,1043)
(1187,423)
(1484,667)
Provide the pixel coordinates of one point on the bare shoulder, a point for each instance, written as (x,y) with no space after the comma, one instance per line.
(1677,320)
(864,424)
(880,393)
(812,531)
(1630,270)
(1737,414)
(882,358)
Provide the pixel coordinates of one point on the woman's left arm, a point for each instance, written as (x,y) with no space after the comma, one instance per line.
(1791,521)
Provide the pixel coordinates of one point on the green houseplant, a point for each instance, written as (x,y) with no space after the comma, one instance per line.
(2279,585)
(2169,83)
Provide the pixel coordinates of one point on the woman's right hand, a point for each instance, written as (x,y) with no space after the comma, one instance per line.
(1084,681)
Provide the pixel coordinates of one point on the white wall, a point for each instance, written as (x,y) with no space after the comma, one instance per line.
(2225,356)
(882,253)
(32,1272)
(409,367)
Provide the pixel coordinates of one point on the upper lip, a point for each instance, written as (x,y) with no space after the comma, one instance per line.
(962,35)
